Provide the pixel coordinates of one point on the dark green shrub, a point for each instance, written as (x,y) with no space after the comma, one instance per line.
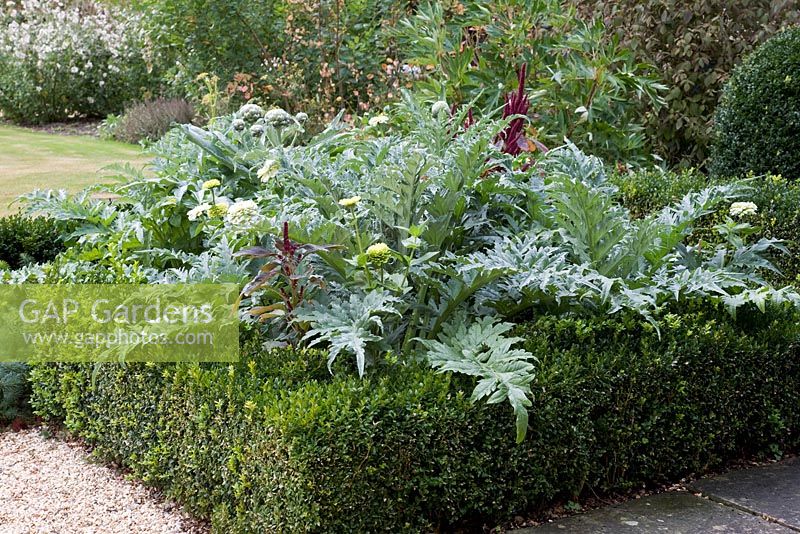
(25,240)
(694,46)
(778,202)
(646,191)
(757,125)
(14,391)
(275,443)
(151,119)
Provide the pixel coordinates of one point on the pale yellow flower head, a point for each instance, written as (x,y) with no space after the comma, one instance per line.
(350,202)
(195,212)
(211,184)
(243,213)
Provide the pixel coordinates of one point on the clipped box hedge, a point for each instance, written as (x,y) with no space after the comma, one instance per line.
(25,240)
(277,444)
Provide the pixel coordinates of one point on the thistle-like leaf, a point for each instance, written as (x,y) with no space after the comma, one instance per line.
(482,350)
(348,325)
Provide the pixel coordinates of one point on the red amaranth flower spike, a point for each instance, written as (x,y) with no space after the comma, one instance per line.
(516,103)
(289,247)
(512,139)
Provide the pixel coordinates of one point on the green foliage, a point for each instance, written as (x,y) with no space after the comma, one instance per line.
(61,60)
(26,240)
(348,325)
(14,390)
(694,47)
(645,191)
(275,443)
(585,86)
(777,199)
(757,125)
(151,119)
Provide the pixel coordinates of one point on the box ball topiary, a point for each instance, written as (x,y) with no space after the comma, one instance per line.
(757,124)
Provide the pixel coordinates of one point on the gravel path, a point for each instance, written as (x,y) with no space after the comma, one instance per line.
(50,486)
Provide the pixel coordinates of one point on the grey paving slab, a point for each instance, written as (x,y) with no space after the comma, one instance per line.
(669,513)
(772,490)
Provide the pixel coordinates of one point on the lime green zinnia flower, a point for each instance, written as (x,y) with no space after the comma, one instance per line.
(350,202)
(379,253)
(211,184)
(218,210)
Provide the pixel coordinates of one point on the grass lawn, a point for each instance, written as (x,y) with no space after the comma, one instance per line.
(31,160)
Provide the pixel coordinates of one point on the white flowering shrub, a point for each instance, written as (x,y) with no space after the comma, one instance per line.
(65,59)
(426,244)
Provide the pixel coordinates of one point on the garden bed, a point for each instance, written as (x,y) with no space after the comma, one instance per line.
(452,312)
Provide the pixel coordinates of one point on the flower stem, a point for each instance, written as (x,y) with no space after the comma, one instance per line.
(358,233)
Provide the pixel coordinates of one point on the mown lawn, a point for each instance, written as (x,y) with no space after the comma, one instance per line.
(31,160)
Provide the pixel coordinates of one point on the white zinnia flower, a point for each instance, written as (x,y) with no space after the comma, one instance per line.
(741,209)
(268,170)
(243,213)
(378,119)
(194,213)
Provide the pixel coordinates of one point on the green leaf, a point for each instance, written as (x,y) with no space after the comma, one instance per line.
(482,350)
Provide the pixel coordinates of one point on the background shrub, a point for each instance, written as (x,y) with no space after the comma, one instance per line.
(275,443)
(26,240)
(317,56)
(66,59)
(151,119)
(758,121)
(694,46)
